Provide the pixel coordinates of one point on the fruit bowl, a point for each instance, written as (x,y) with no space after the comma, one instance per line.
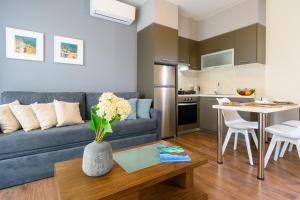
(245,92)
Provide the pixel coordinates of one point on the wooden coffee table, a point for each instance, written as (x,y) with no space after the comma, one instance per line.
(120,185)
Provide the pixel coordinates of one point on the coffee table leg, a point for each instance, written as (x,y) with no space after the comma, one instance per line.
(185,180)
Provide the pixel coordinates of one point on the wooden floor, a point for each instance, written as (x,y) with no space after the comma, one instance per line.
(235,179)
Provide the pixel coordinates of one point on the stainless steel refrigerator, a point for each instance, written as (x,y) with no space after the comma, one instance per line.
(165,97)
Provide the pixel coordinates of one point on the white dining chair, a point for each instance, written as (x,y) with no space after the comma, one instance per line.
(292,123)
(237,125)
(282,133)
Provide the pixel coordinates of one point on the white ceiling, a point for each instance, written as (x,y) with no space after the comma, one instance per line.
(196,9)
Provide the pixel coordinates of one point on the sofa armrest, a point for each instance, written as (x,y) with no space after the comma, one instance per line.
(157,115)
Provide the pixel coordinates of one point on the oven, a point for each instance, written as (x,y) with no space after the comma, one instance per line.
(188,114)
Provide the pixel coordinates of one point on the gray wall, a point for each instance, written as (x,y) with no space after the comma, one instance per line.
(110,48)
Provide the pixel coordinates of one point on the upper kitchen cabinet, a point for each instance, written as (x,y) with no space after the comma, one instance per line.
(188,52)
(218,43)
(215,44)
(183,50)
(194,58)
(165,44)
(207,46)
(249,45)
(225,41)
(261,44)
(155,43)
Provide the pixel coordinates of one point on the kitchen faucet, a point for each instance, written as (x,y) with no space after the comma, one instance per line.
(218,90)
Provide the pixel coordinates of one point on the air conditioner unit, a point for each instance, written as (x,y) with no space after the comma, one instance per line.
(113,10)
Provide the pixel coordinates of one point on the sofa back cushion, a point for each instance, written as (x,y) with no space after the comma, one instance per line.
(27,98)
(8,122)
(92,98)
(67,113)
(25,116)
(46,115)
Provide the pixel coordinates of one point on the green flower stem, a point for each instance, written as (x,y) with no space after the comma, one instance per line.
(99,134)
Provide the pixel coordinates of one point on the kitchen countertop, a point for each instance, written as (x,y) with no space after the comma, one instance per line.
(218,96)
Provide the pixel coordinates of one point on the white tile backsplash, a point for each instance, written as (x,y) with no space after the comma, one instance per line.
(230,78)
(186,78)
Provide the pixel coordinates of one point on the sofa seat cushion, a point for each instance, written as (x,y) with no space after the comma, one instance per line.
(130,127)
(21,143)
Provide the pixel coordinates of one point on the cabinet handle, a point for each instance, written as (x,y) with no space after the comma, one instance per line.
(174,61)
(244,62)
(169,60)
(210,99)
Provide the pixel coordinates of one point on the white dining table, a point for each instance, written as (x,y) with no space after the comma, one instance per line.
(263,111)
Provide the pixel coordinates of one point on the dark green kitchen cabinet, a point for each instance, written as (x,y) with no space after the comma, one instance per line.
(200,52)
(261,44)
(249,45)
(215,44)
(194,58)
(218,43)
(165,44)
(183,50)
(224,41)
(155,43)
(188,52)
(208,115)
(207,46)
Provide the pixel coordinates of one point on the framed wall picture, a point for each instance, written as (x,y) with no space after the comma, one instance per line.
(25,45)
(68,50)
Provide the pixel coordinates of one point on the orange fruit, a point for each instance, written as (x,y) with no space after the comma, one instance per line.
(248,92)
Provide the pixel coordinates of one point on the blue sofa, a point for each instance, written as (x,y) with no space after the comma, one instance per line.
(29,156)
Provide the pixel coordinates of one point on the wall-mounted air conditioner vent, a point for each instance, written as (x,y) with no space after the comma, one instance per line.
(113,10)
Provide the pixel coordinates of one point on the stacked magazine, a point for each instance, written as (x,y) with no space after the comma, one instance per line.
(173,154)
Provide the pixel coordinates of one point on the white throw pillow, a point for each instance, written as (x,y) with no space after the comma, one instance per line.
(45,114)
(25,116)
(8,122)
(67,113)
